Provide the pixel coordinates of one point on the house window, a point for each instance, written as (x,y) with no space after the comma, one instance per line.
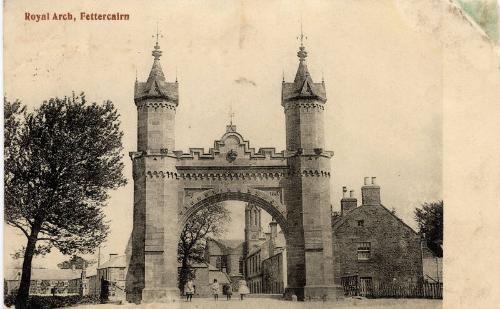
(364,249)
(361,222)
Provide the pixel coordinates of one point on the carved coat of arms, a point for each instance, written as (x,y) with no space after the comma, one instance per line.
(231,155)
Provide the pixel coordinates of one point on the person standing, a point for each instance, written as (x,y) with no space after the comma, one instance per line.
(215,289)
(243,289)
(189,290)
(229,291)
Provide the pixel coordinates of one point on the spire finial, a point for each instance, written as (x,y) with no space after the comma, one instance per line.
(157,52)
(157,34)
(231,114)
(302,54)
(302,36)
(283,79)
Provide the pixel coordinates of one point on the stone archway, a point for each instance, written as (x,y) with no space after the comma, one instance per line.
(169,185)
(260,198)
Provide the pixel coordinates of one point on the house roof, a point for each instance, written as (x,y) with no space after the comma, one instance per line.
(229,243)
(115,262)
(220,276)
(44,274)
(353,211)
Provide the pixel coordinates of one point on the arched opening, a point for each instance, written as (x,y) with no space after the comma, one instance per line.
(255,197)
(247,260)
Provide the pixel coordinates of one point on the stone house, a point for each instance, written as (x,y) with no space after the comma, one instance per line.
(274,275)
(266,263)
(372,245)
(114,271)
(253,264)
(226,256)
(204,275)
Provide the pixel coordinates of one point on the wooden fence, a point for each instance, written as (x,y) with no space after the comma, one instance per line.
(361,287)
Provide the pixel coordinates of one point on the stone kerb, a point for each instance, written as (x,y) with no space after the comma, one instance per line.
(245,194)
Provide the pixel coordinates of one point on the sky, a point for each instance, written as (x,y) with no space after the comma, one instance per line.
(381,62)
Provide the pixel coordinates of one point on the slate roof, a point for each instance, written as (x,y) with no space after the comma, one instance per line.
(44,274)
(156,87)
(115,262)
(228,245)
(349,213)
(303,86)
(220,276)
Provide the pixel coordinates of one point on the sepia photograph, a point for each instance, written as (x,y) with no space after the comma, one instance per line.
(237,154)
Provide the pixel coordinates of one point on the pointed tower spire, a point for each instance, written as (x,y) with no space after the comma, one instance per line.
(303,85)
(156,71)
(302,72)
(156,86)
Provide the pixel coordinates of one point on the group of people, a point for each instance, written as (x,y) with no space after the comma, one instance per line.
(215,287)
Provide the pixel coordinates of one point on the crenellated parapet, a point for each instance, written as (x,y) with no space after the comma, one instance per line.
(232,150)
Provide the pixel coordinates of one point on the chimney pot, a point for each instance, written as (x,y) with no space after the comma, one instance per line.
(370,194)
(344,191)
(367,181)
(346,203)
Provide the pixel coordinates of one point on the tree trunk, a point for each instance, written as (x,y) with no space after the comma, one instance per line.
(24,286)
(183,274)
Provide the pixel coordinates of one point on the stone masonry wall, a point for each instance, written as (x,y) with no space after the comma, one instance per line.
(395,248)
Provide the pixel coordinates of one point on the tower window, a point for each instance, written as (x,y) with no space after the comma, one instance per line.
(361,222)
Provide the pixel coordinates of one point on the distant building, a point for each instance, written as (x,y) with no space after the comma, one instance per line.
(46,281)
(372,245)
(266,263)
(260,259)
(204,275)
(226,256)
(114,272)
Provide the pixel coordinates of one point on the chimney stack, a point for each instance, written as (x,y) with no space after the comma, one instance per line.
(370,192)
(347,203)
(273,227)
